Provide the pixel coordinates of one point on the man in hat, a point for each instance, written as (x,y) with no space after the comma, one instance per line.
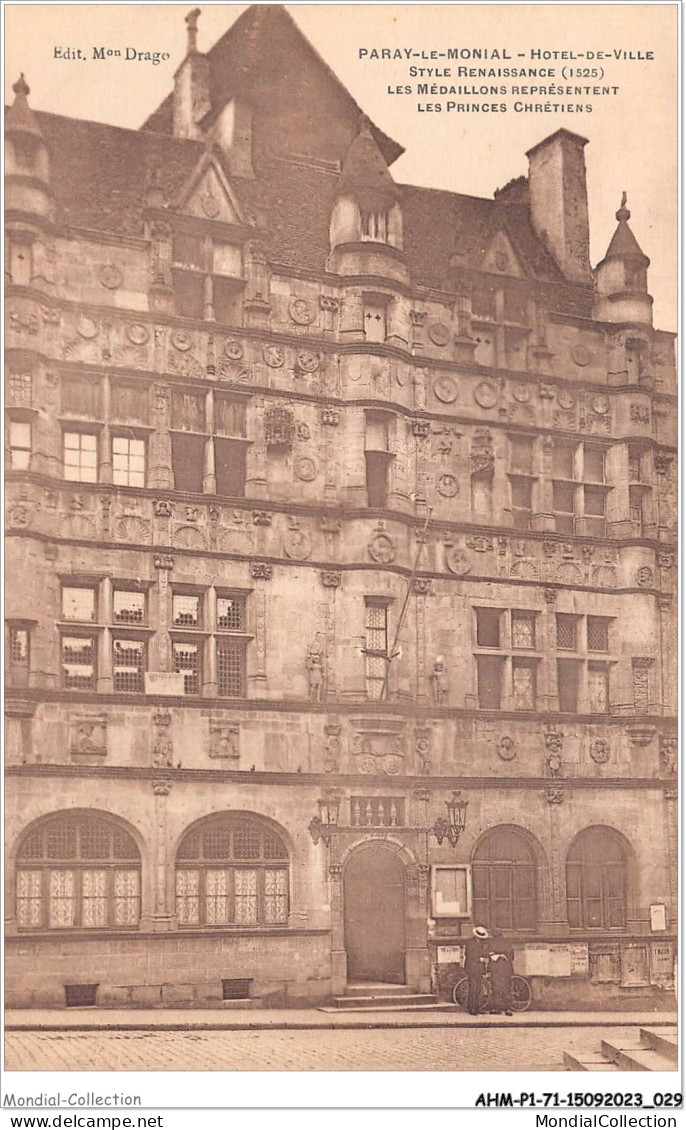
(501,966)
(475,956)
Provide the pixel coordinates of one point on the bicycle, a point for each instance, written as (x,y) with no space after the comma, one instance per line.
(520,993)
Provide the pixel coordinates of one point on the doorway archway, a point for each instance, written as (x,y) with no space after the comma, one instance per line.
(374,915)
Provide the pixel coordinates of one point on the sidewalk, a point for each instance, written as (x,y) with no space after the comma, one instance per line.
(174,1019)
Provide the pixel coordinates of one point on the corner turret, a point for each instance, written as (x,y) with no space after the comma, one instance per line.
(366,228)
(27,160)
(621,278)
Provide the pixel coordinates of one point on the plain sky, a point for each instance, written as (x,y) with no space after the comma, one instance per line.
(632,135)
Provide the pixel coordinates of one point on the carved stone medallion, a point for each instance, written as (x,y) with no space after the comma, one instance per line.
(110,276)
(305,468)
(233,349)
(457,561)
(485,394)
(381,548)
(445,389)
(439,334)
(274,356)
(447,485)
(301,311)
(138,333)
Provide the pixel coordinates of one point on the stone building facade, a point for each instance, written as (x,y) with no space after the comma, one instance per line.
(326,488)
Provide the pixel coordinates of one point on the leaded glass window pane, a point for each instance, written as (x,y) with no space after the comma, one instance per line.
(598,690)
(217,897)
(94,898)
(524,686)
(126,897)
(523,629)
(247,840)
(188,897)
(29,898)
(246,897)
(62,901)
(275,896)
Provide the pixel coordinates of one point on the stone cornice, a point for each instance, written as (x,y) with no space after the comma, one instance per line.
(323,344)
(328,780)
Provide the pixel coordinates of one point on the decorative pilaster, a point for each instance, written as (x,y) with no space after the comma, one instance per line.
(260,572)
(160,475)
(163,563)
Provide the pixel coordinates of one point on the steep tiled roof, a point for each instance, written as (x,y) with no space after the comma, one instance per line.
(266,60)
(100,174)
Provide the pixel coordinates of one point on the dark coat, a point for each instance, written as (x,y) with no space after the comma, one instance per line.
(502,969)
(473,952)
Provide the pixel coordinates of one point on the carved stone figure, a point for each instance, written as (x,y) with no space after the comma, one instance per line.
(439,681)
(315,673)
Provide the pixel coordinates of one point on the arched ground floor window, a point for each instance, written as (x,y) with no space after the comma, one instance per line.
(232,870)
(77,871)
(596,881)
(504,880)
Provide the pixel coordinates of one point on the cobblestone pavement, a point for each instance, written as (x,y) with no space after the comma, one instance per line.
(417,1049)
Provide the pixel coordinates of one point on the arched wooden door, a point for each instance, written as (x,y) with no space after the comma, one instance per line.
(374,909)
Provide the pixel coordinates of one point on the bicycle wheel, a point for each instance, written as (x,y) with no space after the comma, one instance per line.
(461,992)
(520,993)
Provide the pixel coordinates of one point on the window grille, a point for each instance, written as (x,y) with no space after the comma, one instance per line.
(231,613)
(78,662)
(523,686)
(597,633)
(80,996)
(19,645)
(236,988)
(128,665)
(232,871)
(376,646)
(185,611)
(187,663)
(21,389)
(128,607)
(566,629)
(598,688)
(78,872)
(523,629)
(230,669)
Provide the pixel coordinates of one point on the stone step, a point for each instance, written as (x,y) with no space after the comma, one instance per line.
(376,989)
(574,1063)
(636,1057)
(662,1040)
(400,1000)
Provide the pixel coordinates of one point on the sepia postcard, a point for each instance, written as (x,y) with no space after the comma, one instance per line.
(341,549)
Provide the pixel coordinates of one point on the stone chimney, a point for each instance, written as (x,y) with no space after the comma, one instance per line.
(559,203)
(191,86)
